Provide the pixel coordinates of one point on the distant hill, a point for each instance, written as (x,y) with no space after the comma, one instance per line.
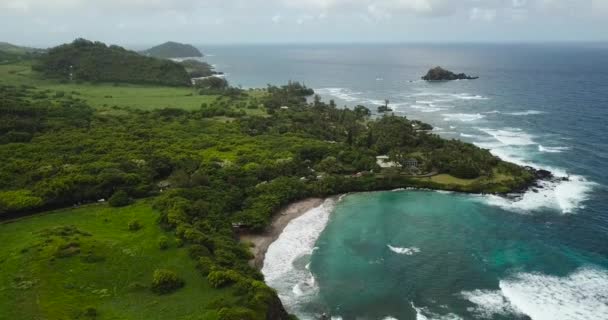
(10,53)
(96,62)
(171,49)
(18,50)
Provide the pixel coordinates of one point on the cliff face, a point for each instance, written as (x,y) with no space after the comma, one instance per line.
(276,311)
(440,74)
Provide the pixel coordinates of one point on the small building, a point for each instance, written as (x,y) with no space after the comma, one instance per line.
(385,162)
(411,163)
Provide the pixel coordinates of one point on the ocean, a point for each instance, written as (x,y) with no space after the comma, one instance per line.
(412,254)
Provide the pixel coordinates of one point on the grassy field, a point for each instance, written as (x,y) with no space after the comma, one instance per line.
(107,95)
(56,265)
(447,179)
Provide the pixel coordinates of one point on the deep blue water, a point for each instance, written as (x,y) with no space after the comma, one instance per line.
(456,256)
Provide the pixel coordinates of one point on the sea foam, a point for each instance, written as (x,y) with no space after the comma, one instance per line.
(425,314)
(406,251)
(296,284)
(542,148)
(525,113)
(341,93)
(463,117)
(579,296)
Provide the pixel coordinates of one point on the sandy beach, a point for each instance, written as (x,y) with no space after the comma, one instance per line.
(262,241)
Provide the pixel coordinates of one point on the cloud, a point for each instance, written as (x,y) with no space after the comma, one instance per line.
(276,18)
(332,18)
(487,15)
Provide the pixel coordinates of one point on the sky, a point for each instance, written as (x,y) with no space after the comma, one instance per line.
(44,23)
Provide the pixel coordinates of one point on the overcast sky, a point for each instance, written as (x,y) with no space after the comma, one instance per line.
(142,22)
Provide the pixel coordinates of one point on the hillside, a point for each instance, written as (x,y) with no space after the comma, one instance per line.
(172,49)
(84,60)
(10,53)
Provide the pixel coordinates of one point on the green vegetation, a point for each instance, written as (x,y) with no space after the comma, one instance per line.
(230,160)
(84,60)
(77,263)
(173,50)
(198,69)
(10,53)
(165,281)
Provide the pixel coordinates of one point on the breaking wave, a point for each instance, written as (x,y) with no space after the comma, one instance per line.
(541,148)
(463,117)
(524,113)
(286,261)
(341,93)
(406,251)
(425,314)
(579,296)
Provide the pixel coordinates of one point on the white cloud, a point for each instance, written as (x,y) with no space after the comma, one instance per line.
(487,15)
(277,18)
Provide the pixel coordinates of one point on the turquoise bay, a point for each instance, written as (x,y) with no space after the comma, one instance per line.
(416,254)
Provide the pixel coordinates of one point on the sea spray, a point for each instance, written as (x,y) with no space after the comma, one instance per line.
(287,259)
(580,295)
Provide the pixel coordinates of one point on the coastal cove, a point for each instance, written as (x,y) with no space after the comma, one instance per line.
(415,254)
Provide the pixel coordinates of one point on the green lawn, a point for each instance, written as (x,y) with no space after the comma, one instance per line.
(55,265)
(448,179)
(100,95)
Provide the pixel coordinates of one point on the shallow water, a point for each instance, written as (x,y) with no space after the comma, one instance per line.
(432,255)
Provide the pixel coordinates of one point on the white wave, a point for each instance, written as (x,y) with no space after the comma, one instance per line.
(466,96)
(489,303)
(525,113)
(340,93)
(464,117)
(542,148)
(425,314)
(379,79)
(583,295)
(296,285)
(465,135)
(390,318)
(426,108)
(563,196)
(510,136)
(492,112)
(453,127)
(406,251)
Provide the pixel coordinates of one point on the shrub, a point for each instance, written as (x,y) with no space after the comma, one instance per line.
(196,251)
(165,281)
(134,225)
(205,265)
(219,279)
(18,200)
(179,243)
(90,312)
(163,243)
(120,199)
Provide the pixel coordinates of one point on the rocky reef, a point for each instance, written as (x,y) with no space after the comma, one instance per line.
(440,74)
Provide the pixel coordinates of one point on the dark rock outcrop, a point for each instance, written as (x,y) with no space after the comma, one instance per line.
(440,74)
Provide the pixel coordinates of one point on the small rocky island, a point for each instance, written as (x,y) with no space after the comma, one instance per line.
(440,74)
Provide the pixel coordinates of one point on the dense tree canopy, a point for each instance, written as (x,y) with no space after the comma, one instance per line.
(84,60)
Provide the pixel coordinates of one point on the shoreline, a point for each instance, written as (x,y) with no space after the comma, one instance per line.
(260,242)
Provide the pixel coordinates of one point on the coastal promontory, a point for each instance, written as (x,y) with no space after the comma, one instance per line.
(172,49)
